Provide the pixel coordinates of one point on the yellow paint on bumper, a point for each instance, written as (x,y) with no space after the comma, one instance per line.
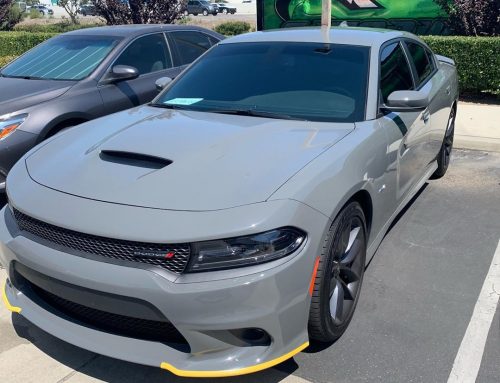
(14,309)
(235,372)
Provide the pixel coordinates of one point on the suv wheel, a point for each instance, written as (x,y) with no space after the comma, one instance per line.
(205,12)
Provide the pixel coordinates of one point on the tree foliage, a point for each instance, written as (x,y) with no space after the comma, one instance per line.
(473,17)
(4,9)
(10,14)
(139,11)
(71,8)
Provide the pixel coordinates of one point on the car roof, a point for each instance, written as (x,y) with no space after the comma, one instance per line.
(135,30)
(337,35)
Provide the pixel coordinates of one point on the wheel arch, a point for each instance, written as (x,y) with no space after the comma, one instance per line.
(60,123)
(361,195)
(365,200)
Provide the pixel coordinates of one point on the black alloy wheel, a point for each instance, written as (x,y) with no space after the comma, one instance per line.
(444,155)
(340,275)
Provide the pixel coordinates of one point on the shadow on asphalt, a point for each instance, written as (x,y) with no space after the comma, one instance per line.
(399,216)
(112,370)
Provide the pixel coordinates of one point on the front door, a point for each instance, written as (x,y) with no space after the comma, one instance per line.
(151,56)
(408,132)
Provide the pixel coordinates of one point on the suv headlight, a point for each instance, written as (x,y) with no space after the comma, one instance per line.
(245,251)
(10,123)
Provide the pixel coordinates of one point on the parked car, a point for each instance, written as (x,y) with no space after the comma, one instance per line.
(42,9)
(216,230)
(87,10)
(224,8)
(195,7)
(88,73)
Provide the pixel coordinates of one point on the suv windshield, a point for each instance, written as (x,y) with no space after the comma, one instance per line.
(306,81)
(62,58)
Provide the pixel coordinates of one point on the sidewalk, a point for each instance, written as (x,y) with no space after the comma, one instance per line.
(477,127)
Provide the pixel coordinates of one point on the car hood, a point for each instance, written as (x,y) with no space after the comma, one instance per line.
(218,161)
(17,93)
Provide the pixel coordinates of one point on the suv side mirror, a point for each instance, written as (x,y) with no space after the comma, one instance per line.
(120,73)
(162,82)
(407,100)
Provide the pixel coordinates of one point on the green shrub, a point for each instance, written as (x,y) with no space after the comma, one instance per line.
(477,59)
(5,60)
(232,28)
(35,13)
(52,27)
(16,43)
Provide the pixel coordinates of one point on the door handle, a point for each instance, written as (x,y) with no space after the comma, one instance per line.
(448,90)
(425,116)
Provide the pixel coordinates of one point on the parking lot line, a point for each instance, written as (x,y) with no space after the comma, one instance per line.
(469,356)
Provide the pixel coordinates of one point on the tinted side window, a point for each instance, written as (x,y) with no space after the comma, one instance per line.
(395,73)
(147,54)
(422,62)
(190,45)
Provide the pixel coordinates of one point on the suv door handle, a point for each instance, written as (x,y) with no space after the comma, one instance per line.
(448,90)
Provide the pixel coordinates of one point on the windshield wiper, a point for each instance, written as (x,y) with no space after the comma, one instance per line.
(23,77)
(254,113)
(169,106)
(238,112)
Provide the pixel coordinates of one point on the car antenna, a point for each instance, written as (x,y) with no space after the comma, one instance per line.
(326,21)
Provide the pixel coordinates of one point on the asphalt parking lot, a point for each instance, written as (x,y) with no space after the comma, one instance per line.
(418,298)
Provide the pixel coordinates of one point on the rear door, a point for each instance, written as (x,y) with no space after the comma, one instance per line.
(407,131)
(150,54)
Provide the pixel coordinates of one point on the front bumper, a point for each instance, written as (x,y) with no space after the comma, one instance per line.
(203,307)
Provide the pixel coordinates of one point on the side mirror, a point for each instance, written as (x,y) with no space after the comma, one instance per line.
(407,100)
(162,82)
(121,73)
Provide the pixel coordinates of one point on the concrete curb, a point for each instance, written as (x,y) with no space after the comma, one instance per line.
(477,127)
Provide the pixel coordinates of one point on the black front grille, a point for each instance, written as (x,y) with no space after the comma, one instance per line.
(113,323)
(148,253)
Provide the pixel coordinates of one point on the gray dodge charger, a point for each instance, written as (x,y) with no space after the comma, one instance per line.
(219,229)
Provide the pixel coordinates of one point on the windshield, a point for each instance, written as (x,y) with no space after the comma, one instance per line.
(62,58)
(306,81)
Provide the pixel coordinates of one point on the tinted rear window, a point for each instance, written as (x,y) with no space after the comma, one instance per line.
(422,62)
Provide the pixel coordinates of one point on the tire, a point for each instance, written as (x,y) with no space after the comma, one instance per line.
(195,14)
(205,12)
(339,276)
(186,13)
(444,155)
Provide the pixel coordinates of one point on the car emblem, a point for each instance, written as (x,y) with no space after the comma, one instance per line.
(155,254)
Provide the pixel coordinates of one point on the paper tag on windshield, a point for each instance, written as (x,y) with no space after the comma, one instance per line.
(183,101)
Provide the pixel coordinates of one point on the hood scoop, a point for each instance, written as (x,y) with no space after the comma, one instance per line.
(134,159)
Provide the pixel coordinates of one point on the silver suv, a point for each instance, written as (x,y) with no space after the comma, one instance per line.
(195,7)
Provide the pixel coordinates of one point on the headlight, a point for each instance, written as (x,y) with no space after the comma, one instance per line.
(245,251)
(10,123)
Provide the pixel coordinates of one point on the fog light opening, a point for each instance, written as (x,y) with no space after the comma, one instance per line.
(255,336)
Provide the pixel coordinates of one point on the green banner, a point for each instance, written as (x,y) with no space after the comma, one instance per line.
(417,16)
